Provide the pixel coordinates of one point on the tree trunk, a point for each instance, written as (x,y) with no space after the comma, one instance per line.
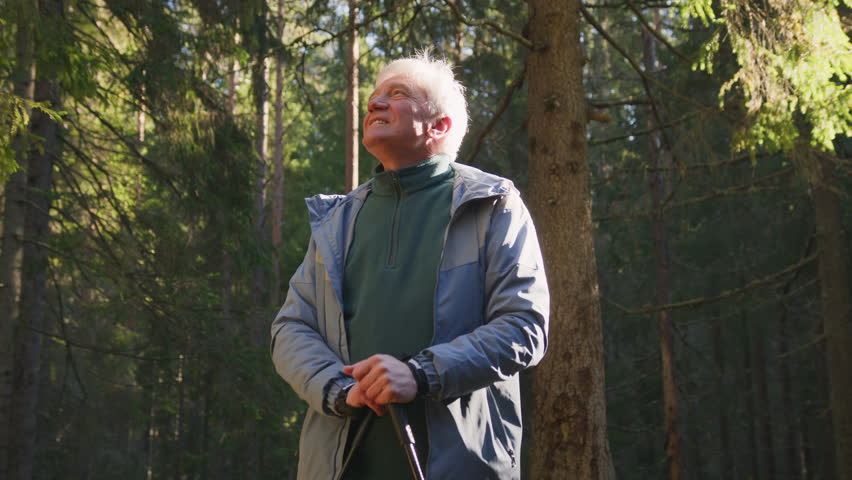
(231,99)
(753,452)
(25,395)
(836,311)
(227,257)
(726,469)
(790,450)
(11,248)
(258,328)
(569,417)
(352,113)
(278,167)
(764,420)
(660,159)
(215,464)
(151,434)
(180,414)
(260,125)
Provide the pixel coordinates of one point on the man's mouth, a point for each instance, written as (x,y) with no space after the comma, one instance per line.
(378,122)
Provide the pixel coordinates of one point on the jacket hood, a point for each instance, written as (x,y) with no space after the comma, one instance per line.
(472,183)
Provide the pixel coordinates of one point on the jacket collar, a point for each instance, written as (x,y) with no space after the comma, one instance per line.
(470,183)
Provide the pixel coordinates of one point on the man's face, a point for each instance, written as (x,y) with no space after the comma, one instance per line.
(396,123)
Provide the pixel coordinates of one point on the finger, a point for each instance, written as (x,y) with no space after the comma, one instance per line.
(355,397)
(378,373)
(379,409)
(362,368)
(375,389)
(386,395)
(355,370)
(366,383)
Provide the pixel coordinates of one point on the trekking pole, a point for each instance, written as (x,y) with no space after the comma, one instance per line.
(356,440)
(406,438)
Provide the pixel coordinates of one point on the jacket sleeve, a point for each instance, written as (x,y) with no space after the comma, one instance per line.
(299,352)
(517,306)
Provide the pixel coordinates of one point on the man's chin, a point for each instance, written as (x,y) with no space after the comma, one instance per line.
(373,144)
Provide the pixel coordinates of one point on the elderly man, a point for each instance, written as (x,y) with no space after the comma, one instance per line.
(423,287)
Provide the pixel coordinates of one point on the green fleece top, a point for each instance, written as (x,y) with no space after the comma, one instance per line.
(389,286)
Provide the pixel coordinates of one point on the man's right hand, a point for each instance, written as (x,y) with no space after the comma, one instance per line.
(357,399)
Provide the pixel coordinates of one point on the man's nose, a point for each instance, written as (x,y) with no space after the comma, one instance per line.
(376,103)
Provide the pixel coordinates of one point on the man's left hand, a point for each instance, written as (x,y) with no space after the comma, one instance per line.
(382,380)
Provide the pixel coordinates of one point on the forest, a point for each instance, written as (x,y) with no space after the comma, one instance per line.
(688,165)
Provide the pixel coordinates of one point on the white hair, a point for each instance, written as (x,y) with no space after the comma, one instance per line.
(444,94)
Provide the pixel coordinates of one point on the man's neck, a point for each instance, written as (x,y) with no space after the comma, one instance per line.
(397,163)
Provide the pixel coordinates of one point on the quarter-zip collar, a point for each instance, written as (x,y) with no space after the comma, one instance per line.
(411,178)
(328,213)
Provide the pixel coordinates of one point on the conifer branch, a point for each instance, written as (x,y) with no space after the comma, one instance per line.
(695,302)
(655,33)
(742,188)
(507,98)
(131,144)
(618,103)
(487,23)
(108,351)
(658,127)
(646,79)
(69,354)
(644,76)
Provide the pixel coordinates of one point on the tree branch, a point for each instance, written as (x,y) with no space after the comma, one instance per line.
(618,103)
(488,23)
(507,98)
(694,302)
(645,77)
(638,133)
(108,351)
(655,33)
(742,188)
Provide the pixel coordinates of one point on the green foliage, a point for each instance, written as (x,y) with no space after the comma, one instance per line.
(14,132)
(794,65)
(152,361)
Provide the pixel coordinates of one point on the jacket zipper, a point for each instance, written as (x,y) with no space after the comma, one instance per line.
(395,225)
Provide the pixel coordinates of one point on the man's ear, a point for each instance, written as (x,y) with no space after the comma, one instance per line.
(440,127)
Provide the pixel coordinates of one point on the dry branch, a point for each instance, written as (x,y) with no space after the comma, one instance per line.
(694,302)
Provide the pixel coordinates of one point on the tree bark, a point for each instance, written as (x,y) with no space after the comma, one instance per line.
(11,245)
(748,370)
(569,417)
(180,414)
(151,434)
(278,167)
(25,396)
(258,328)
(764,420)
(834,294)
(726,469)
(261,115)
(790,449)
(352,113)
(660,161)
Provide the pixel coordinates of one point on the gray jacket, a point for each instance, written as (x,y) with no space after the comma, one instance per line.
(491,320)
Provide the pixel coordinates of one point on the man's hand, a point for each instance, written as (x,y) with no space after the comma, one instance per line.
(382,379)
